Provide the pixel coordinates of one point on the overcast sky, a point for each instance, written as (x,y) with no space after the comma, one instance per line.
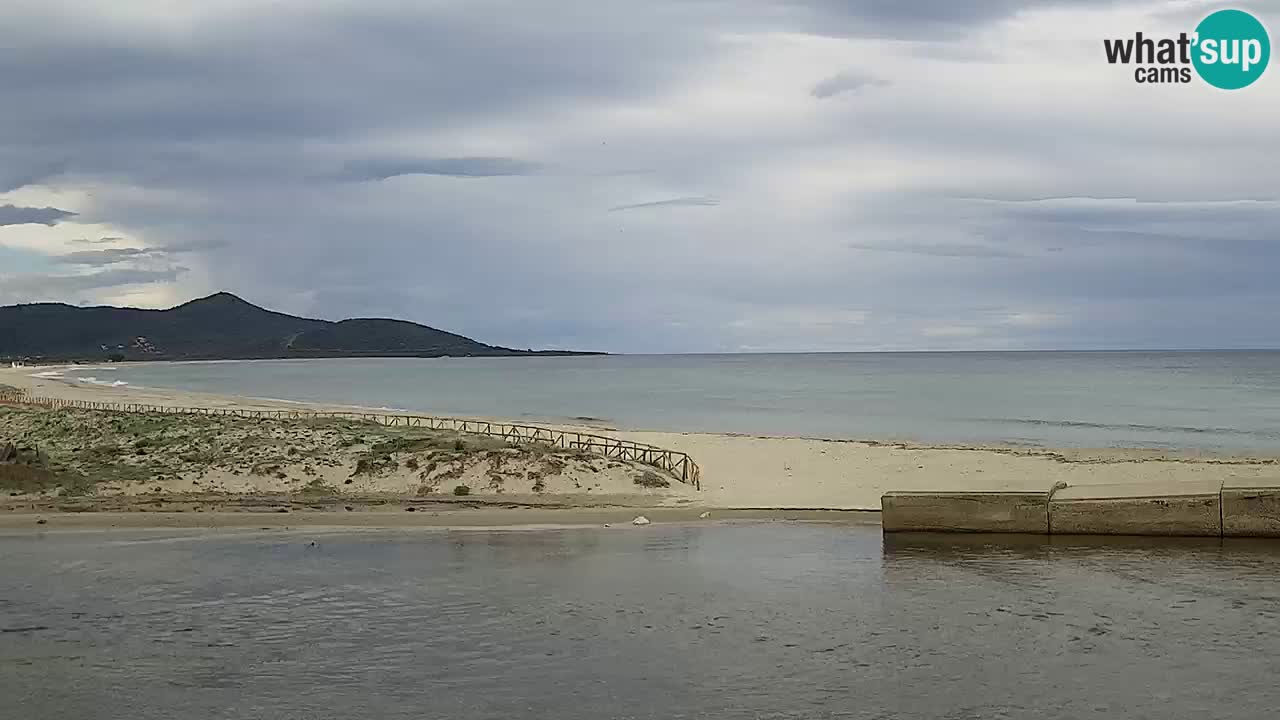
(645,176)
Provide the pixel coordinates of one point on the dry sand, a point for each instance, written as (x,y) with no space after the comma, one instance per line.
(780,472)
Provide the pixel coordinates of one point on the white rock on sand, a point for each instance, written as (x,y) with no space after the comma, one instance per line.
(640,520)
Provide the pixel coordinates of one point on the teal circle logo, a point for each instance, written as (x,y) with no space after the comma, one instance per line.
(1232,49)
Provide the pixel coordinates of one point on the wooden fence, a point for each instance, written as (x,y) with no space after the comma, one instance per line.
(678,464)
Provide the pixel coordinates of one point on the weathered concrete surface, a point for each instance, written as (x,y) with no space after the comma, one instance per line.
(1251,508)
(991,512)
(1189,509)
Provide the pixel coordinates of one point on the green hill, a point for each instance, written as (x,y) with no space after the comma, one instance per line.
(219,327)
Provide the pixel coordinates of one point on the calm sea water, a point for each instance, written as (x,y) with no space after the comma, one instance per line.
(1210,400)
(741,621)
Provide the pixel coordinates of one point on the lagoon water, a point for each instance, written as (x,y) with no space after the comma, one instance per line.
(1208,400)
(771,620)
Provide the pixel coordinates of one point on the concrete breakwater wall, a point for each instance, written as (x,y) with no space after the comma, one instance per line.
(1186,509)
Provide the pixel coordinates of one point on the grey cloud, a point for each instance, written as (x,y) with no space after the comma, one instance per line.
(953,52)
(205,112)
(20,171)
(196,245)
(940,19)
(110,256)
(950,250)
(420,67)
(42,287)
(244,147)
(459,167)
(1146,250)
(690,201)
(264,98)
(139,108)
(100,241)
(1101,211)
(15,215)
(844,82)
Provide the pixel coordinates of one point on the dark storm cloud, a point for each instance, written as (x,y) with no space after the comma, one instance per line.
(459,167)
(690,201)
(15,215)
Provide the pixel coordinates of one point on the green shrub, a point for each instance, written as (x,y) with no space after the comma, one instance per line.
(374,463)
(26,478)
(651,480)
(316,486)
(461,490)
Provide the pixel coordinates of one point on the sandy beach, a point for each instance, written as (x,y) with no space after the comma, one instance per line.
(740,471)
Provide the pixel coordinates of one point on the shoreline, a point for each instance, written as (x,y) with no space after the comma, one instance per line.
(475,518)
(791,473)
(67,388)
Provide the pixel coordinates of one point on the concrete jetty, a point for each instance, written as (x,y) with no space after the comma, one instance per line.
(1007,512)
(1186,509)
(1251,509)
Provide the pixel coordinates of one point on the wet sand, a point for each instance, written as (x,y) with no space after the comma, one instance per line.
(395,516)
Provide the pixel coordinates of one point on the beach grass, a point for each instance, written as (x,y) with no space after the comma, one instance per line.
(84,451)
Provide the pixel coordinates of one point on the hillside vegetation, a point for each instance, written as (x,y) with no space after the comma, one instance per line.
(218,327)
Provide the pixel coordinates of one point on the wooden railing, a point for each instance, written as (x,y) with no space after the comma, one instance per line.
(677,463)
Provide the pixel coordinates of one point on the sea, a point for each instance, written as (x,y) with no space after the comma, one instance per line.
(761,621)
(1201,400)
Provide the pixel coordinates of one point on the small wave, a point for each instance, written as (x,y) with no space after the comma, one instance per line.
(49,374)
(259,397)
(95,381)
(1130,426)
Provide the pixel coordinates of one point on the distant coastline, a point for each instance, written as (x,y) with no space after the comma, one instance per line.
(221,327)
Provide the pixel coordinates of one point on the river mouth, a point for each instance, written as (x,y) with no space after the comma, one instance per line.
(750,619)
